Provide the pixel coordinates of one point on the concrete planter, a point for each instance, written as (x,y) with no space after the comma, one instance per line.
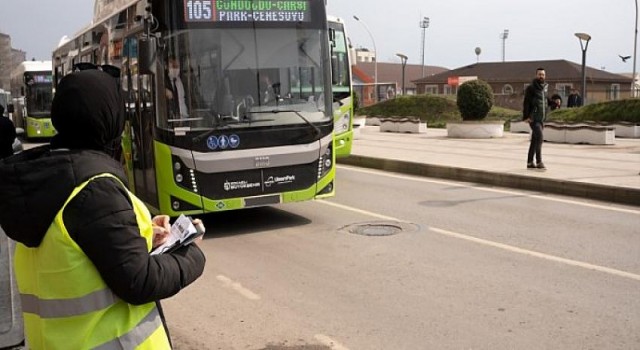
(403,125)
(358,123)
(555,133)
(373,121)
(519,126)
(591,134)
(475,130)
(627,130)
(412,126)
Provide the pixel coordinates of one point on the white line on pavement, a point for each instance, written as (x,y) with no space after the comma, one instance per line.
(489,189)
(498,245)
(227,282)
(539,255)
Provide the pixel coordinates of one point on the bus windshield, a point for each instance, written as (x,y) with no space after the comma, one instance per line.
(39,94)
(243,78)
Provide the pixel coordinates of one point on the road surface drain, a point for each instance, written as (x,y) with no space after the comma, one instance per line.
(379,228)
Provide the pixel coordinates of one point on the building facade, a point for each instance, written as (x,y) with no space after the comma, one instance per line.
(9,59)
(389,80)
(509,80)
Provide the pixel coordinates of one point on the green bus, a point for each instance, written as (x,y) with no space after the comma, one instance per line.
(31,88)
(342,87)
(228,102)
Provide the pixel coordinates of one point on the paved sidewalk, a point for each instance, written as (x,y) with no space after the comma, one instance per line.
(604,172)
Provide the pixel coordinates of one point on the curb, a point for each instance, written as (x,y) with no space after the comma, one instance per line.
(628,196)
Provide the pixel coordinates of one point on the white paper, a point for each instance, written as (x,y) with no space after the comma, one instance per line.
(181,229)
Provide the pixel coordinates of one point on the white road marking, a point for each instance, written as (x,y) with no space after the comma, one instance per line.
(334,345)
(227,282)
(363,212)
(494,190)
(498,245)
(539,255)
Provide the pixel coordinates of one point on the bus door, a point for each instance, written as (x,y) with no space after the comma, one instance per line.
(141,112)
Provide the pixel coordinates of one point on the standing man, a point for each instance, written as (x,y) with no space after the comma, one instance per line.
(534,113)
(574,100)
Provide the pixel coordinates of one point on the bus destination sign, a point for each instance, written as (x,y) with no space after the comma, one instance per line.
(246,11)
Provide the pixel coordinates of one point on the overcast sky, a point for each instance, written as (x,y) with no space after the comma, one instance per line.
(538,30)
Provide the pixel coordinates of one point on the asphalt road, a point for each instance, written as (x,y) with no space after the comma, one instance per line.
(399,262)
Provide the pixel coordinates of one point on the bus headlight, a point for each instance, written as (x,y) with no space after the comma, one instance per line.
(342,124)
(325,163)
(183,175)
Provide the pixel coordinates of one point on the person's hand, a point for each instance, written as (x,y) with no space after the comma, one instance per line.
(169,94)
(527,120)
(200,227)
(161,229)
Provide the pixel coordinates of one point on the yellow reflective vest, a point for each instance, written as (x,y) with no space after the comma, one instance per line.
(66,304)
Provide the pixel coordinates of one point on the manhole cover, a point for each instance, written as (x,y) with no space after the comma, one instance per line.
(379,228)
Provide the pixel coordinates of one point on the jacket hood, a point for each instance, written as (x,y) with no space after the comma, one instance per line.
(35,184)
(88,112)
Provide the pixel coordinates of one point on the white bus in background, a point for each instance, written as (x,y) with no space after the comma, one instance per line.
(32,91)
(342,86)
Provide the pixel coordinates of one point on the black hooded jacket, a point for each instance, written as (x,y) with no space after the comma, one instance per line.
(34,185)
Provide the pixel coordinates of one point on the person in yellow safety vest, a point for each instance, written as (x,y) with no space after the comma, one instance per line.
(83,268)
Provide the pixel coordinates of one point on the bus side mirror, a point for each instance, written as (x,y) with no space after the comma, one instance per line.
(147,54)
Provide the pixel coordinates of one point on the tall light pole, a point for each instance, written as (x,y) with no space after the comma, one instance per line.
(375,64)
(634,89)
(424,24)
(504,35)
(403,59)
(584,39)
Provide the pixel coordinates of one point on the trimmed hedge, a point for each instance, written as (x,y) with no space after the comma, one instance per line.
(627,110)
(475,99)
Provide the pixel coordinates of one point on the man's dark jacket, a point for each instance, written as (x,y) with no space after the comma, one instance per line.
(535,102)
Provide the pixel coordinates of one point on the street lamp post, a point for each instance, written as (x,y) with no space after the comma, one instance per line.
(424,24)
(375,62)
(584,39)
(634,89)
(403,59)
(504,35)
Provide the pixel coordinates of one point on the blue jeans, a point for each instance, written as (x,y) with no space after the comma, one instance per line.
(535,147)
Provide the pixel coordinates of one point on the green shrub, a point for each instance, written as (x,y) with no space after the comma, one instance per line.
(434,110)
(475,99)
(627,110)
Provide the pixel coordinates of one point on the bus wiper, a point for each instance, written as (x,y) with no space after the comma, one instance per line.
(316,130)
